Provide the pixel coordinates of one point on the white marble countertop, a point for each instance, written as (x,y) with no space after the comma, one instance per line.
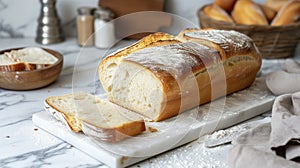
(24,145)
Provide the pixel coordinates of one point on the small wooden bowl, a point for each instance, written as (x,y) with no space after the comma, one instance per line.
(272,41)
(28,80)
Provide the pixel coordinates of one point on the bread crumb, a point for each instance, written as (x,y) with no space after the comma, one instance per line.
(151,129)
(148,120)
(123,159)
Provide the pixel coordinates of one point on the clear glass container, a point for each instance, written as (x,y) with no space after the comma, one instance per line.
(104,28)
(85,26)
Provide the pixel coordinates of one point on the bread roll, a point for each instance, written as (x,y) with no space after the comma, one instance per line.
(275,4)
(217,13)
(269,12)
(248,13)
(95,117)
(161,81)
(225,4)
(288,14)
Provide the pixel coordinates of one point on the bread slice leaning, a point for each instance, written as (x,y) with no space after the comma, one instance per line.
(95,117)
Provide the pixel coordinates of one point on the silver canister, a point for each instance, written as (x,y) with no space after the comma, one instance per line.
(49,30)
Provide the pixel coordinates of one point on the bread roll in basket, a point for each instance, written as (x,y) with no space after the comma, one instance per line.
(272,41)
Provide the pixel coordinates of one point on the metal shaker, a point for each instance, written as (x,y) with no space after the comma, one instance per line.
(49,30)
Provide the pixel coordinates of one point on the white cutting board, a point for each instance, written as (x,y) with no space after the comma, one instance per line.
(171,133)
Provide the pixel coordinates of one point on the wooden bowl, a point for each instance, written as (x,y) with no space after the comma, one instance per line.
(33,79)
(272,41)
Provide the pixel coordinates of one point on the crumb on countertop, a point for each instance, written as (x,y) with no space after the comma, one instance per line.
(151,129)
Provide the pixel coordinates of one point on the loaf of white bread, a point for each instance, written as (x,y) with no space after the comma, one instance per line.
(160,76)
(156,76)
(25,59)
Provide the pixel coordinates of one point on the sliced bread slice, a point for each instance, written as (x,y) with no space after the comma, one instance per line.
(32,57)
(6,64)
(95,117)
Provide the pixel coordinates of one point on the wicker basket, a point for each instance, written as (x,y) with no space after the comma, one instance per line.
(272,41)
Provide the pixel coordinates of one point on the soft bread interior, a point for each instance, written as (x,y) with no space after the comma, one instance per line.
(6,64)
(5,60)
(65,110)
(135,87)
(32,55)
(30,58)
(91,109)
(102,113)
(96,117)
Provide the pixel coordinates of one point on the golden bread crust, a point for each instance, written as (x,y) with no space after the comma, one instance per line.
(13,67)
(228,5)
(288,14)
(269,12)
(217,13)
(116,134)
(248,13)
(227,43)
(275,4)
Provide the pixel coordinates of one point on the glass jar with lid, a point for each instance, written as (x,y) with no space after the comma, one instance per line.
(85,26)
(104,28)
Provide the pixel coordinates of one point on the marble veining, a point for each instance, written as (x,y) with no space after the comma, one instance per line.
(15,122)
(41,158)
(10,99)
(6,30)
(2,5)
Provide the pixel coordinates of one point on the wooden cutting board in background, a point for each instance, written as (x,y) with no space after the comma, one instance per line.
(139,22)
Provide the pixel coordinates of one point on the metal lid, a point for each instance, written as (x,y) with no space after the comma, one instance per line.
(86,10)
(104,14)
